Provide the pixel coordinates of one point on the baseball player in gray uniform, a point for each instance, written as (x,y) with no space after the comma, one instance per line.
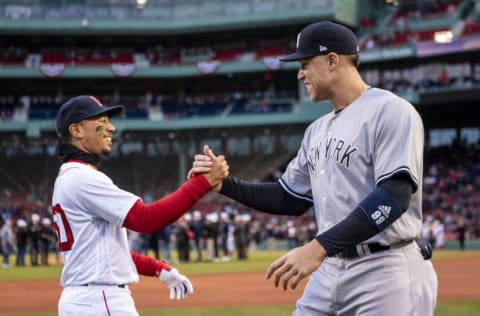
(360,168)
(92,216)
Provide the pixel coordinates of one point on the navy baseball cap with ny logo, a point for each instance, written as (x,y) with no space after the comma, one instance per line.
(322,38)
(81,108)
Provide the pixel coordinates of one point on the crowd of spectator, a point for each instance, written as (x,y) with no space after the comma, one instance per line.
(402,20)
(229,234)
(218,229)
(418,10)
(415,79)
(35,238)
(425,77)
(152,9)
(154,107)
(451,194)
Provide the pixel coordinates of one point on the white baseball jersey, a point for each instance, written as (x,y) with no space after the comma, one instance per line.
(89,211)
(344,155)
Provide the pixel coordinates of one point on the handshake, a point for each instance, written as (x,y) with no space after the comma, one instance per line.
(214,168)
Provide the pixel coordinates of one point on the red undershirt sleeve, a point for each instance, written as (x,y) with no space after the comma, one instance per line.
(148,218)
(148,266)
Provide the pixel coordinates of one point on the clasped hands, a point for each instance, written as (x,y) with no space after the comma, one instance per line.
(293,266)
(214,168)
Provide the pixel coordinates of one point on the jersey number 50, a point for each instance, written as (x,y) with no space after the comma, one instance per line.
(64,232)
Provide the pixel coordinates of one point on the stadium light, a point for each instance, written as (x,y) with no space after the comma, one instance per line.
(443,37)
(393,2)
(141,4)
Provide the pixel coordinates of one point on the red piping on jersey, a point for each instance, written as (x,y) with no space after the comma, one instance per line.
(148,218)
(106,304)
(147,265)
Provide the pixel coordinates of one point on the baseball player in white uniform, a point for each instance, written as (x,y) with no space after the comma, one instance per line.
(92,216)
(360,167)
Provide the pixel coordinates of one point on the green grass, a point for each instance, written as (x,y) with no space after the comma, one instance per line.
(452,254)
(224,311)
(460,308)
(30,273)
(258,261)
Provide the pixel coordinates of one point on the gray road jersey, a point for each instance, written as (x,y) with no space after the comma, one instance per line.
(344,155)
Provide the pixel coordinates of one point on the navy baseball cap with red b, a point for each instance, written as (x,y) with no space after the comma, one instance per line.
(81,108)
(322,38)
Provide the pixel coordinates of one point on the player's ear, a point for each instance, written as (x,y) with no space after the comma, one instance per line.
(332,61)
(74,129)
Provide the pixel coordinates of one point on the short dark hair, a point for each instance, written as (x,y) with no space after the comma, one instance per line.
(355,60)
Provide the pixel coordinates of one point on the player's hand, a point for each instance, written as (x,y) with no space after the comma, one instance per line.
(217,166)
(180,286)
(296,264)
(202,163)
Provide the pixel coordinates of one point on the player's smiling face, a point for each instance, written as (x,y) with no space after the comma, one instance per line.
(313,72)
(95,135)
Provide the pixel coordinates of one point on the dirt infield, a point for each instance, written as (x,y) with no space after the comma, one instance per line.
(458,279)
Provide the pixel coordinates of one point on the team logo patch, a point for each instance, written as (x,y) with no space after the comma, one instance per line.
(322,48)
(381,214)
(385,209)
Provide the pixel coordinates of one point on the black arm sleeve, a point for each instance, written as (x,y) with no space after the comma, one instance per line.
(268,197)
(357,227)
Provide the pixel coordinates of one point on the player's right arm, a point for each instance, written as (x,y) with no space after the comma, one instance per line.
(268,197)
(147,218)
(179,285)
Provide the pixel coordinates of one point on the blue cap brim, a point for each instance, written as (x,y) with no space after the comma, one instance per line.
(296,57)
(109,110)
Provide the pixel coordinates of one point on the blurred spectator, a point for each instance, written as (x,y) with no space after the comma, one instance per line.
(7,242)
(211,226)
(182,240)
(255,233)
(164,240)
(21,237)
(196,226)
(223,235)
(461,231)
(48,242)
(35,232)
(135,241)
(153,243)
(292,235)
(241,235)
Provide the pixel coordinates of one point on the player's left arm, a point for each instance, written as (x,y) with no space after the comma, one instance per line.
(180,286)
(367,219)
(358,226)
(147,218)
